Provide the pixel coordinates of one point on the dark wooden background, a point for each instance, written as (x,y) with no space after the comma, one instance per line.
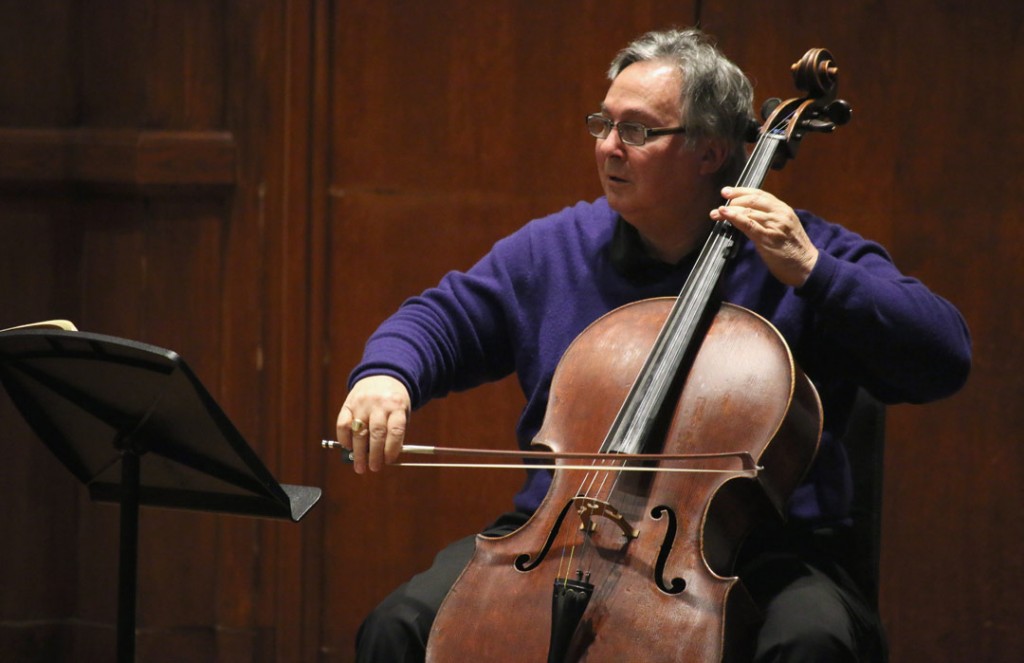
(257,183)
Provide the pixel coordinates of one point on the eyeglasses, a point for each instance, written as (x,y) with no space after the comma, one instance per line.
(631,133)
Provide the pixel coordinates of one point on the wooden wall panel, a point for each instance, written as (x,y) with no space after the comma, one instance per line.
(348,154)
(153,159)
(39,521)
(927,165)
(39,59)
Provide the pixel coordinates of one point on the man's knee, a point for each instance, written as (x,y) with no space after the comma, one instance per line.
(808,642)
(809,620)
(396,630)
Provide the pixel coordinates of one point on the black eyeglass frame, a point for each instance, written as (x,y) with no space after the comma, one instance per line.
(647,132)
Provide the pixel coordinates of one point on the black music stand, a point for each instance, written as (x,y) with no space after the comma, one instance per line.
(136,426)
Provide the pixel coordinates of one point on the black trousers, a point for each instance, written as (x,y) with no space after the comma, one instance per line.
(812,610)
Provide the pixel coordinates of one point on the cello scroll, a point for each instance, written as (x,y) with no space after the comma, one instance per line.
(820,111)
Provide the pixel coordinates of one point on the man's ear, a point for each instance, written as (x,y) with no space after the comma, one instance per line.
(713,154)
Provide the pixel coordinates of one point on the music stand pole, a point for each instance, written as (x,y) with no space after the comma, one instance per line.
(128,557)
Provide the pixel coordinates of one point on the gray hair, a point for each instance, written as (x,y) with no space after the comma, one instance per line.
(716,98)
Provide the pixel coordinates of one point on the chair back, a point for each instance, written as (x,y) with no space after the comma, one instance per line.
(864,441)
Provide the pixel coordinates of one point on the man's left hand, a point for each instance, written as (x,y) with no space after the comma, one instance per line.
(775,230)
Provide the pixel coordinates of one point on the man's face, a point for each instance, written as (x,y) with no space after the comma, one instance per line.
(654,182)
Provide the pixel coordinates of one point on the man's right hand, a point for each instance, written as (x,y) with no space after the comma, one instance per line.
(372,421)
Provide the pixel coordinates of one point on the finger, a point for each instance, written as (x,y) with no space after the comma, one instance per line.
(736,194)
(378,429)
(344,427)
(360,452)
(743,218)
(756,200)
(354,442)
(359,428)
(397,421)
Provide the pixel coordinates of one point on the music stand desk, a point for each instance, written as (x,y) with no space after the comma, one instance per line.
(135,425)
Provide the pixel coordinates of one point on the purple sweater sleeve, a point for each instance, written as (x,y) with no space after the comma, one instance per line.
(888,331)
(451,337)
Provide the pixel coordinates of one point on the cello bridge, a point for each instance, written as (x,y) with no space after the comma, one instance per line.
(588,508)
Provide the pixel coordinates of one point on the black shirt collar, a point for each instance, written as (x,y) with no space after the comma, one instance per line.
(630,259)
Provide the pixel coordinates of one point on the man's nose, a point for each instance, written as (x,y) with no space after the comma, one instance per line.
(612,143)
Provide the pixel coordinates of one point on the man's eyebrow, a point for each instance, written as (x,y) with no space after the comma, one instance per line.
(638,114)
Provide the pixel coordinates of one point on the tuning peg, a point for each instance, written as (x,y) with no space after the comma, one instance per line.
(819,126)
(769,106)
(753,131)
(839,112)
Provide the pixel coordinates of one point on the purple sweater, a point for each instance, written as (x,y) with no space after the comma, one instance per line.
(856,322)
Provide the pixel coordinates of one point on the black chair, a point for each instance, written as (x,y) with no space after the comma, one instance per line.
(864,441)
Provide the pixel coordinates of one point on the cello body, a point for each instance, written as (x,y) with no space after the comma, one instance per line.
(667,593)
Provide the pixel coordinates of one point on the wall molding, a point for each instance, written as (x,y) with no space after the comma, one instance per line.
(113,157)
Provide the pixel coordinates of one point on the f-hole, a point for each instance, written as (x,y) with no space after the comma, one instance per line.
(677,585)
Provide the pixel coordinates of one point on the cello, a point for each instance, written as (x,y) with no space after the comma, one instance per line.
(618,565)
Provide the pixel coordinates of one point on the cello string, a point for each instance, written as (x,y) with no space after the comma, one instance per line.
(686,314)
(568,543)
(586,544)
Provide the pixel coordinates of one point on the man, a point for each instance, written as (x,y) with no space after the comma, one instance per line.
(669,134)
